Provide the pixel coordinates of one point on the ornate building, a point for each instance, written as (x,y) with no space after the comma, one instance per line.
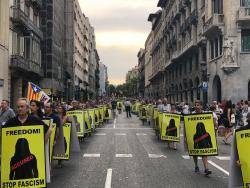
(201,50)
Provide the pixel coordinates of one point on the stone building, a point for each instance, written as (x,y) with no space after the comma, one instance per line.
(141,72)
(201,50)
(53,62)
(25,37)
(103,79)
(132,81)
(148,66)
(4,50)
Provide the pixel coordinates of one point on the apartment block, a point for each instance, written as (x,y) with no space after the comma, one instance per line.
(200,50)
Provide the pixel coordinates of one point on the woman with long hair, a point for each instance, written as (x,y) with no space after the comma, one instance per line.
(23,164)
(36,109)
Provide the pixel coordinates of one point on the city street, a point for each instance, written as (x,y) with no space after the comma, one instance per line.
(126,154)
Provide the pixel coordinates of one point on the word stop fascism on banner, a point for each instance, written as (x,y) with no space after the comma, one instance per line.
(23,157)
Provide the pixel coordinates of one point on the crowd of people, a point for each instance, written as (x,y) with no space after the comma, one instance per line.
(226,115)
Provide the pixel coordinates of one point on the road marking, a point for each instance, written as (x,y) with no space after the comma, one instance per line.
(141,134)
(108,178)
(155,156)
(218,167)
(100,134)
(123,128)
(114,123)
(223,158)
(123,155)
(188,157)
(120,134)
(92,155)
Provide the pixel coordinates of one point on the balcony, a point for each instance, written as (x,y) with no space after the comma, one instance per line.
(27,66)
(19,18)
(194,17)
(244,16)
(214,25)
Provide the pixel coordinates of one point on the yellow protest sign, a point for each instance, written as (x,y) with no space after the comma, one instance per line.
(170,128)
(100,114)
(160,117)
(243,143)
(119,105)
(108,113)
(87,125)
(78,119)
(200,134)
(96,116)
(66,133)
(91,116)
(23,157)
(143,112)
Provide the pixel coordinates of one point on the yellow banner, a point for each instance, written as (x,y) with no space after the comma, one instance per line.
(200,134)
(119,105)
(243,143)
(96,116)
(66,133)
(77,116)
(170,128)
(23,157)
(100,111)
(87,125)
(143,112)
(108,113)
(91,116)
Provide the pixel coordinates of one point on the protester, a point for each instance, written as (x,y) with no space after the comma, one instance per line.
(128,105)
(198,109)
(36,109)
(6,112)
(23,118)
(226,120)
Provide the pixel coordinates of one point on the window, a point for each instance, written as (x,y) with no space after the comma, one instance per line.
(245,40)
(211,49)
(190,65)
(216,41)
(245,3)
(217,6)
(220,44)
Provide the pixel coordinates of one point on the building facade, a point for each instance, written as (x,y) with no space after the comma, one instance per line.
(25,38)
(148,66)
(132,82)
(52,24)
(4,50)
(200,50)
(141,70)
(103,79)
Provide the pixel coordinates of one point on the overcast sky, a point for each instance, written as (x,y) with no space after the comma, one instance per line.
(121,29)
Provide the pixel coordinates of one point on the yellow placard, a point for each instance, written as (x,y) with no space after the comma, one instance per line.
(243,143)
(78,119)
(87,125)
(91,116)
(23,157)
(170,128)
(52,141)
(200,134)
(108,113)
(119,105)
(100,114)
(96,111)
(66,133)
(143,112)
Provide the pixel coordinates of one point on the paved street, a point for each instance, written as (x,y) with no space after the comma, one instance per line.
(126,154)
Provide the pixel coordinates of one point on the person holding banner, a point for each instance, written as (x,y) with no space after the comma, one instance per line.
(23,118)
(198,110)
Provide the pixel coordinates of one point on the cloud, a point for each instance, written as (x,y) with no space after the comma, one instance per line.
(121,29)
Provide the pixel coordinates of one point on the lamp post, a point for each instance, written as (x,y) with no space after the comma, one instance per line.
(204,81)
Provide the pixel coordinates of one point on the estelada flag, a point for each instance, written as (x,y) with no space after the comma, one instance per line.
(36,93)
